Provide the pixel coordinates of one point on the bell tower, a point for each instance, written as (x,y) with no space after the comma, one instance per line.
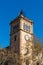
(21,36)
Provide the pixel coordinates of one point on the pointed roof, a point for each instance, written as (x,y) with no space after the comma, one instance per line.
(21,15)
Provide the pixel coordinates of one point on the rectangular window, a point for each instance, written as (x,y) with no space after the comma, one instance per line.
(16,27)
(15,38)
(26,27)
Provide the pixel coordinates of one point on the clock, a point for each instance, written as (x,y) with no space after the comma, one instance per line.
(26,37)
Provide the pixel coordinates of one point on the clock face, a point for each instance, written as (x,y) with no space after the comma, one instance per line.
(26,37)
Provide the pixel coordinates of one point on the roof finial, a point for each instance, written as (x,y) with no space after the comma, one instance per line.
(21,13)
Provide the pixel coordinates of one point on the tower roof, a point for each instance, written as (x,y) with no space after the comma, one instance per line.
(21,15)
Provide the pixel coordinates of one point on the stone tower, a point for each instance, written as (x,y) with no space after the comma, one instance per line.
(21,36)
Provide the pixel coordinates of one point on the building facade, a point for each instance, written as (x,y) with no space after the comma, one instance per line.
(22,32)
(20,51)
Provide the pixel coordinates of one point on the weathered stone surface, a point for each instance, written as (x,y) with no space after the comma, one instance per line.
(21,51)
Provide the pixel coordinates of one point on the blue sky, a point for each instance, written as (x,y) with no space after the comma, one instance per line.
(9,9)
